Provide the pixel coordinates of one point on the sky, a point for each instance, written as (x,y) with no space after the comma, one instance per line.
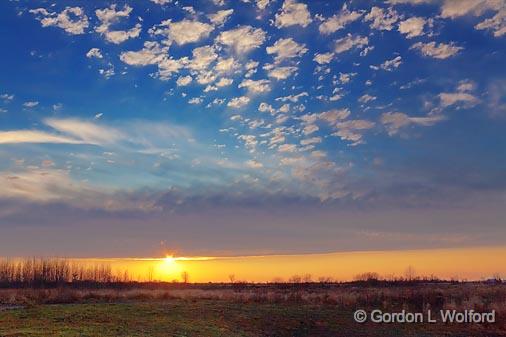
(219,127)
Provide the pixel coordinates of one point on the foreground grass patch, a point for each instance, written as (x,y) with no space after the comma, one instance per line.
(204,318)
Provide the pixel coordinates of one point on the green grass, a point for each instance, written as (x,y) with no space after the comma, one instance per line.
(205,318)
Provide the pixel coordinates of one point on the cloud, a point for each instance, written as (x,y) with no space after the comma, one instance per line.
(84,131)
(195,100)
(451,98)
(349,42)
(30,104)
(413,2)
(262,4)
(456,8)
(293,13)
(311,141)
(366,98)
(242,39)
(183,32)
(412,27)
(287,148)
(497,23)
(223,82)
(254,164)
(161,2)
(323,58)
(110,16)
(389,65)
(352,130)
(31,136)
(202,58)
(220,17)
(438,51)
(94,52)
(238,102)
(7,97)
(394,121)
(280,73)
(256,87)
(72,19)
(152,53)
(292,98)
(184,81)
(382,19)
(339,21)
(334,115)
(286,49)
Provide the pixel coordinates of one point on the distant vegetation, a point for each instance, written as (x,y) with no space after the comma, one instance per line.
(54,272)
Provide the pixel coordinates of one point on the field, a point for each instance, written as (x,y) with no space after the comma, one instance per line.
(245,310)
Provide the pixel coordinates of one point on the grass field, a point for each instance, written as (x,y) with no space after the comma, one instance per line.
(256,312)
(207,318)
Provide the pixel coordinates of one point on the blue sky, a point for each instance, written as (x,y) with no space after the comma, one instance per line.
(231,127)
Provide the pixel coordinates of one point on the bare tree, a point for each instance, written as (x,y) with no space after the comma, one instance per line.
(410,273)
(185,277)
(231,277)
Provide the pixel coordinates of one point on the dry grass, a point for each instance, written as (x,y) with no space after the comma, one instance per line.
(458,296)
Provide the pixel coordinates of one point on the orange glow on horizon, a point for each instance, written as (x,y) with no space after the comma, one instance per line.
(460,263)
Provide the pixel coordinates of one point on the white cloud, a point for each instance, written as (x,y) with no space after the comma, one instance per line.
(382,19)
(30,104)
(339,21)
(334,115)
(256,87)
(293,13)
(72,19)
(389,65)
(394,121)
(110,16)
(287,148)
(7,97)
(107,73)
(84,131)
(456,8)
(292,98)
(352,130)
(30,136)
(265,107)
(223,82)
(412,27)
(94,52)
(152,53)
(220,17)
(438,51)
(349,42)
(202,58)
(195,100)
(366,98)
(161,2)
(238,102)
(451,98)
(309,129)
(262,4)
(183,32)
(254,164)
(286,49)
(497,23)
(242,39)
(413,2)
(226,65)
(311,141)
(324,58)
(184,81)
(280,73)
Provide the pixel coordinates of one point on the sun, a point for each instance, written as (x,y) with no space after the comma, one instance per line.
(169,261)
